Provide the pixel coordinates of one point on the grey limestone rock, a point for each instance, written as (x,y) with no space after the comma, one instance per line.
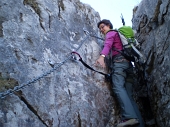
(35,35)
(151,21)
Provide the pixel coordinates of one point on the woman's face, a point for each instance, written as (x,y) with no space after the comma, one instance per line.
(104,28)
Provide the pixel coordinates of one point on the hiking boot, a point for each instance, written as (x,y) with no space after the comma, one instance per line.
(128,122)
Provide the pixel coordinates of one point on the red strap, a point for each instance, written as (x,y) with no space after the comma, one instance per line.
(76,54)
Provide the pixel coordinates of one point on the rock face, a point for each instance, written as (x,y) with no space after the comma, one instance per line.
(36,41)
(151,21)
(36,36)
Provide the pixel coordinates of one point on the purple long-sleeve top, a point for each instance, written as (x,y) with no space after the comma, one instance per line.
(112,39)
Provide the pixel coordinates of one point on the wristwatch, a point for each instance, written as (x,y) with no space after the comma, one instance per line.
(103,55)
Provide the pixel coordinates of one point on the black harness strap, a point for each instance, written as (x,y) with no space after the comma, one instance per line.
(107,76)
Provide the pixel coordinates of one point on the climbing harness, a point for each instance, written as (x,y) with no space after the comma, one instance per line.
(107,76)
(56,66)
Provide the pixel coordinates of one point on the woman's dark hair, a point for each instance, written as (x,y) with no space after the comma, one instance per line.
(106,22)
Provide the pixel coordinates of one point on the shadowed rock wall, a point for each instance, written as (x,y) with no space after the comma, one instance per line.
(151,20)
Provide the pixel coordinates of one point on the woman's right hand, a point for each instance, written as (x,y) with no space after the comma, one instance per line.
(100,62)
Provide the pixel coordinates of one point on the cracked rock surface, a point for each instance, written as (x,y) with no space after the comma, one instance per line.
(151,21)
(38,35)
(35,35)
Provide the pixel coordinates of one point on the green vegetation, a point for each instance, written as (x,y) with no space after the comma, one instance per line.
(7,83)
(34,5)
(61,4)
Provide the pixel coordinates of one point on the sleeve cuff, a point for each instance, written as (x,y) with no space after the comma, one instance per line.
(102,55)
